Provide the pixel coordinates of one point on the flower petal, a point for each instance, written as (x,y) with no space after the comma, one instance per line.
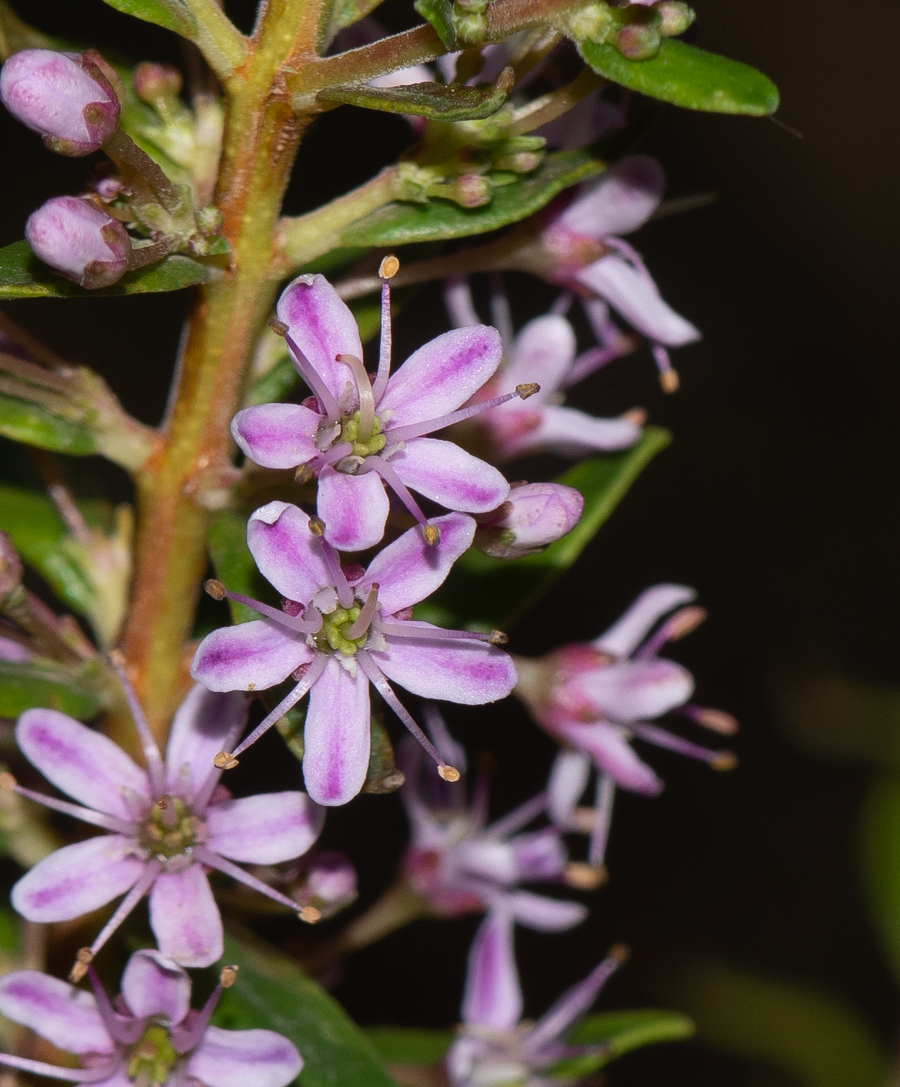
(236,1058)
(154,986)
(443,374)
(450,476)
(613,755)
(64,1015)
(276,435)
(620,201)
(407,570)
(492,997)
(545,914)
(635,690)
(544,352)
(568,780)
(264,829)
(570,433)
(625,635)
(463,670)
(354,509)
(77,879)
(249,656)
(322,326)
(286,552)
(81,762)
(336,735)
(637,298)
(202,725)
(185,918)
(540,855)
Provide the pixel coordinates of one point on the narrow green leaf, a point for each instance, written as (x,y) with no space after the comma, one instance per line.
(441,101)
(35,425)
(38,682)
(438,220)
(404,1045)
(880,842)
(172,14)
(270,992)
(22,275)
(485,592)
(622,1031)
(686,76)
(440,14)
(811,1035)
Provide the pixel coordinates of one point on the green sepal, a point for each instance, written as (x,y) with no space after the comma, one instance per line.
(484,592)
(406,1045)
(171,14)
(439,101)
(684,75)
(438,220)
(618,1033)
(22,275)
(272,993)
(233,562)
(25,685)
(439,13)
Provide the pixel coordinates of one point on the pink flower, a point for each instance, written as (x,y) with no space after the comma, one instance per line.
(340,630)
(165,825)
(596,697)
(358,434)
(152,1035)
(79,241)
(534,516)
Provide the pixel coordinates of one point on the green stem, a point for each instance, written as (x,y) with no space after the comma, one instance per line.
(218,39)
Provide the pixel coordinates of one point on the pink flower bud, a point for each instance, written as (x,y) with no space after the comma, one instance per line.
(64,96)
(79,241)
(534,515)
(330,882)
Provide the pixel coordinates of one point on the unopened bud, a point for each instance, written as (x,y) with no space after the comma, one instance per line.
(675,17)
(74,109)
(388,268)
(470,191)
(210,219)
(448,773)
(522,162)
(228,976)
(638,41)
(215,589)
(153,82)
(330,883)
(533,516)
(79,241)
(225,761)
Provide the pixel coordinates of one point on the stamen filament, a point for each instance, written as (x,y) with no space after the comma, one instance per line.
(603,805)
(73,1075)
(156,768)
(519,817)
(86,815)
(151,870)
(387,473)
(654,735)
(312,674)
(411,629)
(590,362)
(366,397)
(357,629)
(214,860)
(313,379)
(184,1039)
(292,622)
(384,353)
(416,430)
(203,795)
(123,1031)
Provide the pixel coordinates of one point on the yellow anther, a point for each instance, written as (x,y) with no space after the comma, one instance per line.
(7,781)
(432,534)
(670,381)
(528,389)
(448,773)
(389,267)
(225,761)
(498,637)
(83,960)
(228,976)
(215,589)
(717,721)
(303,474)
(316,526)
(310,915)
(725,760)
(585,877)
(619,952)
(278,327)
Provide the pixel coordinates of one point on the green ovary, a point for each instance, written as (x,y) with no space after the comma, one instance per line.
(333,633)
(171,828)
(350,432)
(152,1059)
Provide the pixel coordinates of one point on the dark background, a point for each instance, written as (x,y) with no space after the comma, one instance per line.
(775,502)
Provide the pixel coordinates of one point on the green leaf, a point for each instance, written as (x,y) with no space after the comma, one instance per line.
(270,992)
(484,592)
(22,275)
(815,1037)
(438,220)
(686,76)
(404,1045)
(233,562)
(619,1033)
(39,682)
(880,842)
(440,14)
(172,14)
(440,101)
(33,424)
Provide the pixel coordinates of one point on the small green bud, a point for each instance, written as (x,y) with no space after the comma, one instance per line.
(675,17)
(470,28)
(593,22)
(153,82)
(210,220)
(638,42)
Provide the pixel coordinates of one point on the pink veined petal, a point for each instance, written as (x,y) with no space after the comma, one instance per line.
(264,829)
(545,914)
(77,879)
(463,671)
(408,570)
(249,656)
(185,918)
(543,352)
(450,476)
(154,986)
(627,633)
(570,433)
(203,721)
(286,552)
(637,298)
(636,690)
(492,997)
(568,780)
(81,762)
(239,1058)
(620,201)
(322,326)
(613,755)
(336,735)
(354,509)
(66,1016)
(441,376)
(276,435)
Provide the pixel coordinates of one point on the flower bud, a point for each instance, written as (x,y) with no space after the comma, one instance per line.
(638,41)
(675,17)
(155,82)
(79,241)
(329,884)
(64,96)
(534,515)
